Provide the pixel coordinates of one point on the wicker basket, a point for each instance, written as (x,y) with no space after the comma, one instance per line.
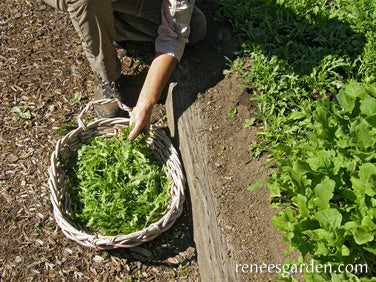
(62,205)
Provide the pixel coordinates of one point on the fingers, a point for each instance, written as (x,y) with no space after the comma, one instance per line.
(135,131)
(141,121)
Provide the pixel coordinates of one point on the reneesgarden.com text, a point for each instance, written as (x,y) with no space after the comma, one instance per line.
(291,269)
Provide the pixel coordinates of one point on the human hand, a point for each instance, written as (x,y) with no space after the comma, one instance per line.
(140,118)
(156,79)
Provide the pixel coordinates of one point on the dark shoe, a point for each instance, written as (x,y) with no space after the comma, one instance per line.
(107,90)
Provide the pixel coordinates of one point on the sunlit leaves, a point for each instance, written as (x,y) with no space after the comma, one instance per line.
(119,185)
(295,54)
(330,181)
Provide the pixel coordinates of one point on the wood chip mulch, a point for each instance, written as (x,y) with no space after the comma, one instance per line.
(42,66)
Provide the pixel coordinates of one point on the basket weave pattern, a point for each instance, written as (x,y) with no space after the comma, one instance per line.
(62,205)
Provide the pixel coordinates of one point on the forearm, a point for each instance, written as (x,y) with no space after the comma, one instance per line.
(159,73)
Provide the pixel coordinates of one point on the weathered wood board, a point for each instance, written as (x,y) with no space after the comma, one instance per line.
(215,256)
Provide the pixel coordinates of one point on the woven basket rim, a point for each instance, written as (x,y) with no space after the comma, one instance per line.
(162,147)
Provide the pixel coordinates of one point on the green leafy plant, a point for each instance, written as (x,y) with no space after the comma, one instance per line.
(66,128)
(296,55)
(233,112)
(293,51)
(226,177)
(182,270)
(330,179)
(119,185)
(21,113)
(249,122)
(76,100)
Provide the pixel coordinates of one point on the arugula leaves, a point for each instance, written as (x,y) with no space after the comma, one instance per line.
(119,185)
(294,53)
(329,177)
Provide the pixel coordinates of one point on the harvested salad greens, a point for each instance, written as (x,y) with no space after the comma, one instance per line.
(119,185)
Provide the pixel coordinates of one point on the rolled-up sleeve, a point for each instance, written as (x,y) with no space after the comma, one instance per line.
(173,33)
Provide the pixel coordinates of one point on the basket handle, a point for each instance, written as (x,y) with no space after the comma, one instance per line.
(100,102)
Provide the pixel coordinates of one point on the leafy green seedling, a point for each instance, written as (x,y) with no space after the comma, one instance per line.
(182,270)
(227,72)
(249,122)
(21,113)
(66,128)
(227,177)
(76,100)
(233,112)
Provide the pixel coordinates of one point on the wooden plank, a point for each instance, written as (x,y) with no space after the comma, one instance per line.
(212,246)
(200,69)
(215,263)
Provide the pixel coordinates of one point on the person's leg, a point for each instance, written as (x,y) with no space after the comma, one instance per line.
(139,21)
(93,20)
(94,23)
(198,27)
(134,20)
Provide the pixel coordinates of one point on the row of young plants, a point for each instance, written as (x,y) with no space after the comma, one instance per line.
(311,66)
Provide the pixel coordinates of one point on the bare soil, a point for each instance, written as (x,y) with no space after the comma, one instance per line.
(244,217)
(42,66)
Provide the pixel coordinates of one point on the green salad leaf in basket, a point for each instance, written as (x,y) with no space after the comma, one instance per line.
(119,185)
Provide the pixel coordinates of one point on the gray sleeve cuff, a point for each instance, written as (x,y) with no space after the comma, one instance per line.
(173,33)
(170,46)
